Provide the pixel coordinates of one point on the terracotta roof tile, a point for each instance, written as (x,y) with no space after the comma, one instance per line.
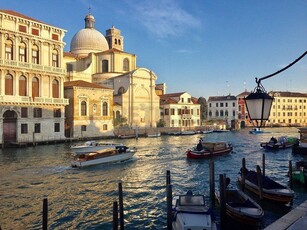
(80,83)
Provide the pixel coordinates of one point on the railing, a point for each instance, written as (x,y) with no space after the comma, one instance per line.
(31,66)
(12,98)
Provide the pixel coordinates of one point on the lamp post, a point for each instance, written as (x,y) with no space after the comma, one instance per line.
(259,103)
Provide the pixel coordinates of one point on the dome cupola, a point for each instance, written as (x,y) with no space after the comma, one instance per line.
(88,40)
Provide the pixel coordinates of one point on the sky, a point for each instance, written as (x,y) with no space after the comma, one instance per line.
(202,47)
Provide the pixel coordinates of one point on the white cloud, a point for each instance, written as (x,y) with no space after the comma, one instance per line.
(163,18)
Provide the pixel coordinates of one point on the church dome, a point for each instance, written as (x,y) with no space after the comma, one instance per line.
(88,40)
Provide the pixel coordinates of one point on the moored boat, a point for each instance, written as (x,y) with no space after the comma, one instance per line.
(191,212)
(241,207)
(282,143)
(209,149)
(255,131)
(271,190)
(301,146)
(107,155)
(299,173)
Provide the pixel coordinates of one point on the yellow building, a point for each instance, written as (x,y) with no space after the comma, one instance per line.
(31,79)
(102,60)
(288,109)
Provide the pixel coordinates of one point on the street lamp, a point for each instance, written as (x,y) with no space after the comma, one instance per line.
(258,103)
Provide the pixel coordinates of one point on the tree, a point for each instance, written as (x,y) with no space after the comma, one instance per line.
(120,121)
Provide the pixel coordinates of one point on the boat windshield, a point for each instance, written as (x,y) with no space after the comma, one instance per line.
(191,200)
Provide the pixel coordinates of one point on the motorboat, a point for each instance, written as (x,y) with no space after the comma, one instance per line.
(299,173)
(209,149)
(280,143)
(271,190)
(153,134)
(92,146)
(191,212)
(106,155)
(256,131)
(241,207)
(301,146)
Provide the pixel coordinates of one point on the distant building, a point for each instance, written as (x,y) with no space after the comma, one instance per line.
(243,118)
(90,110)
(288,109)
(223,108)
(32,76)
(179,110)
(102,60)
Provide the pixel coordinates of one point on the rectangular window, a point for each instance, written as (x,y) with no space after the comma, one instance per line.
(83,128)
(179,111)
(37,112)
(24,112)
(37,128)
(172,111)
(24,128)
(105,127)
(221,104)
(55,37)
(35,31)
(166,111)
(56,127)
(57,113)
(22,29)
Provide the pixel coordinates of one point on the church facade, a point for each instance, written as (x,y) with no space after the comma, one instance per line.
(101,60)
(32,76)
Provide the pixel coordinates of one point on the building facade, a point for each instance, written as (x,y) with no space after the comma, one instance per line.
(90,110)
(243,117)
(223,108)
(180,110)
(102,60)
(288,109)
(32,77)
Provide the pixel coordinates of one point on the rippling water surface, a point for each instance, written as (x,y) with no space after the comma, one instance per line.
(83,198)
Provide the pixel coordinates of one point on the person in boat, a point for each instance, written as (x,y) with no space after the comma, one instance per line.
(274,140)
(199,145)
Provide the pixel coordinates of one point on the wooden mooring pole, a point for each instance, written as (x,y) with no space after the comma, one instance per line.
(212,187)
(222,201)
(169,200)
(259,178)
(45,214)
(115,216)
(121,206)
(263,164)
(290,175)
(243,174)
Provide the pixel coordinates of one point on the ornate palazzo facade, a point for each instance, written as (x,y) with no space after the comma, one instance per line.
(32,77)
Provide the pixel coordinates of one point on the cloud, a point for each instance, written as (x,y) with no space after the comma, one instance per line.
(163,18)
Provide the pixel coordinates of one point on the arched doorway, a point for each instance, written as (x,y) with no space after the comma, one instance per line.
(9,126)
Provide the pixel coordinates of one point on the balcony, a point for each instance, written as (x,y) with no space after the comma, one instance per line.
(36,101)
(31,66)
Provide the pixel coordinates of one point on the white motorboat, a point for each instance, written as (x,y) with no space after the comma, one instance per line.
(106,155)
(190,212)
(93,146)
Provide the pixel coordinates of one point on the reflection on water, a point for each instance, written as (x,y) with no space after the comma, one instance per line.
(83,198)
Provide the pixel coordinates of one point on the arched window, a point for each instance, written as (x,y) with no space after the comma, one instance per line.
(35,87)
(126,64)
(104,109)
(55,89)
(121,90)
(83,108)
(216,113)
(119,41)
(8,84)
(23,52)
(226,113)
(221,113)
(210,113)
(55,58)
(105,66)
(105,127)
(35,54)
(22,86)
(115,41)
(117,114)
(9,49)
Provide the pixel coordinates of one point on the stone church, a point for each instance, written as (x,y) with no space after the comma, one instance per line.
(101,60)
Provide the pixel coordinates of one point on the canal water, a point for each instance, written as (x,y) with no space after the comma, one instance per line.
(83,198)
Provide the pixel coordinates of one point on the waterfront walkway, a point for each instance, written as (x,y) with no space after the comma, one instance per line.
(295,219)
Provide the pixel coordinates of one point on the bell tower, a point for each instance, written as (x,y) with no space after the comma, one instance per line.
(115,39)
